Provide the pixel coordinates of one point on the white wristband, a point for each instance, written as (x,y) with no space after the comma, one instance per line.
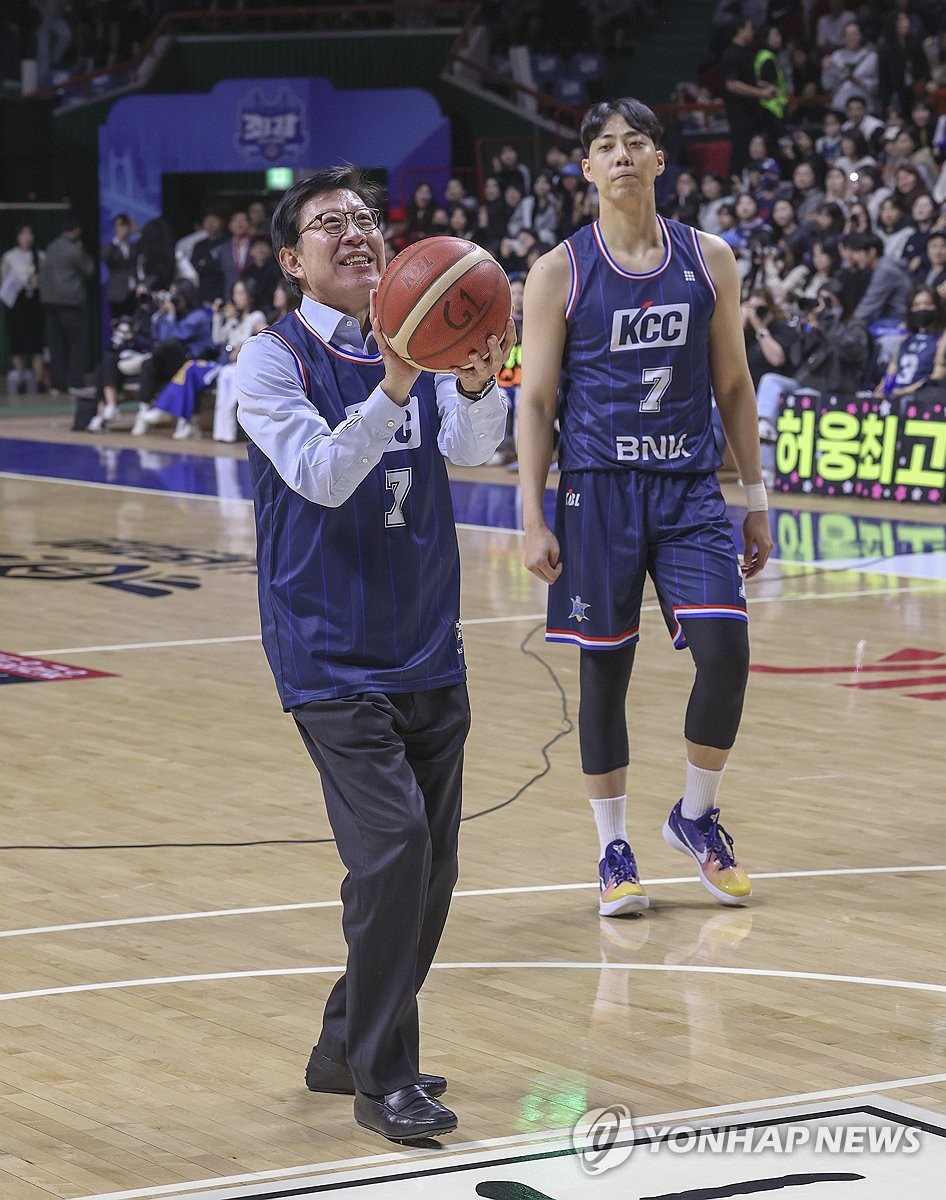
(756,499)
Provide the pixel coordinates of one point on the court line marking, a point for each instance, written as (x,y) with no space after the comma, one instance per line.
(124,487)
(111,985)
(211,914)
(507,620)
(526,1141)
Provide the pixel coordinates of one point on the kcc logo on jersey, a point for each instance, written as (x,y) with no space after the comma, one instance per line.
(650,325)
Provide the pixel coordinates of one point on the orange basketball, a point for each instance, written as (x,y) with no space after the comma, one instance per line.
(439,299)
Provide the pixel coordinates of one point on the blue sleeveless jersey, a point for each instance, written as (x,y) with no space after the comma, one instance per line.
(635,387)
(366,596)
(915,358)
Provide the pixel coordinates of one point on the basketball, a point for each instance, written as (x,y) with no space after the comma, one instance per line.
(439,299)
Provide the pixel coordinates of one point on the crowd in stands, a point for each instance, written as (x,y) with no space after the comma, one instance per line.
(833,200)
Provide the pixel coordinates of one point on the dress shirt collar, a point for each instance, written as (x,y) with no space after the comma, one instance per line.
(336,327)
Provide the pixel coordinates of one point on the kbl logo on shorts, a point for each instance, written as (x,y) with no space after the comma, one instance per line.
(572,499)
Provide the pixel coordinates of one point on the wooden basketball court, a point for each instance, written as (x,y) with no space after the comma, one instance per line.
(169,917)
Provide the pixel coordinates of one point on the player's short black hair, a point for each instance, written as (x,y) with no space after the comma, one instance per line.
(285,222)
(637,115)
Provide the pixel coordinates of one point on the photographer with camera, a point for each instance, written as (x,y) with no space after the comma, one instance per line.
(832,349)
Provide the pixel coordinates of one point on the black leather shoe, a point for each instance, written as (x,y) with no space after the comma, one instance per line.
(325,1075)
(407,1115)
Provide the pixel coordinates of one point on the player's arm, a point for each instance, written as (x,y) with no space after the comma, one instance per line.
(735,398)
(543,343)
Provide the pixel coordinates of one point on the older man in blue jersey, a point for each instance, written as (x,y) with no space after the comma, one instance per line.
(630,327)
(359,591)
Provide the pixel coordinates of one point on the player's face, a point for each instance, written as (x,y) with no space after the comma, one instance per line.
(622,162)
(337,269)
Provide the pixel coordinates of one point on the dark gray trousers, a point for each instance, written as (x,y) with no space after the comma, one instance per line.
(391,769)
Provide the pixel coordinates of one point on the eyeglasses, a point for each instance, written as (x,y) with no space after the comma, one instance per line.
(335,223)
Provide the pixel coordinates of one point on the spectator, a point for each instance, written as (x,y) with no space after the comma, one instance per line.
(748,221)
(262,272)
(770,74)
(63,277)
(741,93)
(771,340)
(902,151)
(460,223)
(805,193)
(858,219)
(855,153)
(837,187)
(935,276)
(455,196)
(790,238)
(831,352)
(805,84)
(493,216)
(19,291)
(923,126)
(726,220)
(923,217)
(798,289)
(509,380)
(258,218)
(888,281)
(395,230)
(683,203)
(918,357)
(711,198)
(120,259)
(439,222)
(827,222)
(901,65)
(234,252)
(510,171)
(573,191)
(869,189)
(284,302)
(907,185)
(180,329)
(541,212)
(828,145)
(205,259)
(517,254)
(232,323)
(852,69)
(893,229)
(420,211)
(130,345)
(829,30)
(155,265)
(184,248)
(863,122)
(765,185)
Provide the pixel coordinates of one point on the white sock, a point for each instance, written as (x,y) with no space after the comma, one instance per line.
(699,795)
(609,819)
(181,425)
(109,411)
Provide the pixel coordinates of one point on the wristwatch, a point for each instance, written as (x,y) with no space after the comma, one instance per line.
(476,395)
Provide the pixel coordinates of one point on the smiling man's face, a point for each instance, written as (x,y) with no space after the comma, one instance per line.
(338,270)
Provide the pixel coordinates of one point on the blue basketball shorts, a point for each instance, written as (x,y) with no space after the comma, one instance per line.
(616,527)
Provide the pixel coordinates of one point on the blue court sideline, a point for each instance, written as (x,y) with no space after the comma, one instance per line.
(837,535)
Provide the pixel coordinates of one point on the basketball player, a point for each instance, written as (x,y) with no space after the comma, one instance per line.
(628,325)
(359,597)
